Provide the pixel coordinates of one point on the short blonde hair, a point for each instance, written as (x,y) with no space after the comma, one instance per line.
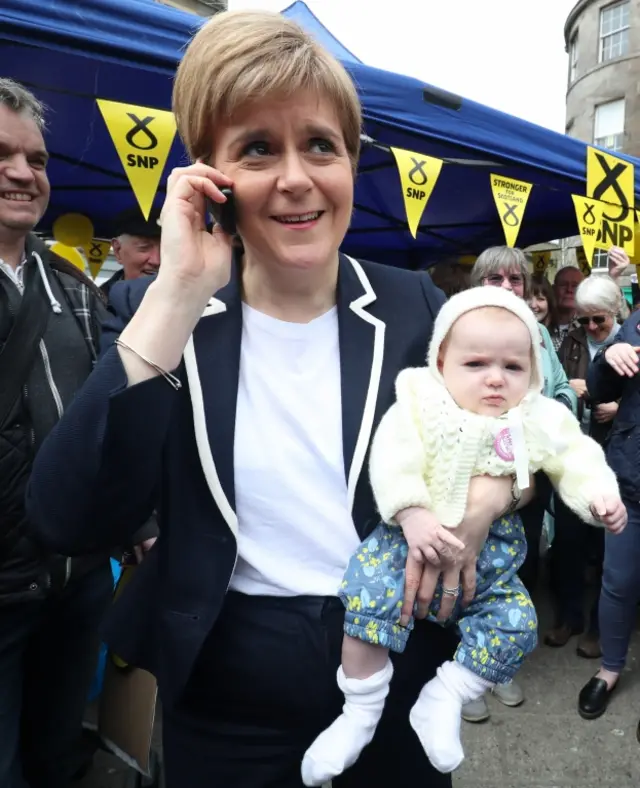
(242,57)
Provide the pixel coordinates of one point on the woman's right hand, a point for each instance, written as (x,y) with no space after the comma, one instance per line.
(194,261)
(579,387)
(194,265)
(623,358)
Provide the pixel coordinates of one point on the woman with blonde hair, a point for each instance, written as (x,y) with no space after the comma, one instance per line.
(237,396)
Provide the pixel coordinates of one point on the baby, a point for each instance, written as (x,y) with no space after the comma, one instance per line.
(476,409)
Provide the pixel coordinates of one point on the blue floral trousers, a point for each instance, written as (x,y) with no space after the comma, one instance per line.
(497,630)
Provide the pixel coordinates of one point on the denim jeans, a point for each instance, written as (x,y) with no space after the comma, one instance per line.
(620,591)
(48,653)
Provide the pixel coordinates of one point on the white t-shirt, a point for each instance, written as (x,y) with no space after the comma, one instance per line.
(296,533)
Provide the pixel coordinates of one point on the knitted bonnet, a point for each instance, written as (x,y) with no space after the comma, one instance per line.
(477,298)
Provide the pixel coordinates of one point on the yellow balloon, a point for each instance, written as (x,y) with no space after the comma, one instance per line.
(70,254)
(73,229)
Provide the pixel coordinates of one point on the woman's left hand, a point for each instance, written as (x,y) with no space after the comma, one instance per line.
(605,412)
(421,581)
(489,497)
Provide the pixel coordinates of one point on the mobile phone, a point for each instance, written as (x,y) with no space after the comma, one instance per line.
(224,213)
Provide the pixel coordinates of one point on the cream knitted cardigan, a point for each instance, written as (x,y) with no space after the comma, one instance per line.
(426,450)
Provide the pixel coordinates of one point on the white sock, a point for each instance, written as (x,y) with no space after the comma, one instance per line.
(436,715)
(339,746)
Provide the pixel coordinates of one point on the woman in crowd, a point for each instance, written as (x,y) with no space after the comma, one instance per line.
(613,377)
(503,266)
(542,301)
(575,547)
(237,397)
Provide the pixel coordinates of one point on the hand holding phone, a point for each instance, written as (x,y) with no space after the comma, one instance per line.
(224,214)
(195,262)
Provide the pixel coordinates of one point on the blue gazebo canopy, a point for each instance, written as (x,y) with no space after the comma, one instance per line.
(72,53)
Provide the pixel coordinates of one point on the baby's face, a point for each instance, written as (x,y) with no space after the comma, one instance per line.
(486,361)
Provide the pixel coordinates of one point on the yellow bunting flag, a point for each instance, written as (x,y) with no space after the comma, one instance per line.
(142,137)
(611,180)
(583,264)
(96,253)
(418,176)
(540,261)
(589,216)
(511,198)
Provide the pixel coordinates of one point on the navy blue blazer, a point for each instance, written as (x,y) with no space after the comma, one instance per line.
(605,385)
(120,453)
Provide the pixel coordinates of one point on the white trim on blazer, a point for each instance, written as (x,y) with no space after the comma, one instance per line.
(366,424)
(215,307)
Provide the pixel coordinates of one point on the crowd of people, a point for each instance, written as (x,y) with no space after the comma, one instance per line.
(322,466)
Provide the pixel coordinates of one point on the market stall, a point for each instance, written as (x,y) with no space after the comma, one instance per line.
(104,68)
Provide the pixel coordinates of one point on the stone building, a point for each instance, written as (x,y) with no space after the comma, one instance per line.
(603,93)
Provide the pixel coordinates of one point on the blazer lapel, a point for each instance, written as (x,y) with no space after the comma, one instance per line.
(212,362)
(361,356)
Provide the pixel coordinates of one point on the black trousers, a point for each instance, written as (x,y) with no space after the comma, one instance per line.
(265,686)
(532,521)
(48,653)
(576,545)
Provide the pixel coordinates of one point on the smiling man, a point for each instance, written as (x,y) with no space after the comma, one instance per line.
(136,246)
(50,605)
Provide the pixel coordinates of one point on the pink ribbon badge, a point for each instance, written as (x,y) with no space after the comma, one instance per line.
(503,445)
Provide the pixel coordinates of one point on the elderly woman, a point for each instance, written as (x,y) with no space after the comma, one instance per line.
(503,266)
(598,301)
(237,397)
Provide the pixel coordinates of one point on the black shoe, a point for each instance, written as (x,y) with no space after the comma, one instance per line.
(594,698)
(589,646)
(560,635)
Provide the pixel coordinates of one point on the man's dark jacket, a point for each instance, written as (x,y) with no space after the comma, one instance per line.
(63,360)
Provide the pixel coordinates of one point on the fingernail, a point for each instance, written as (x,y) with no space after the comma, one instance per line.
(404,620)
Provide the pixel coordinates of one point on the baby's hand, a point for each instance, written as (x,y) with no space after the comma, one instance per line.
(610,510)
(428,540)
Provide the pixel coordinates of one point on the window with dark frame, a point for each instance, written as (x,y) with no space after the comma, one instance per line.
(600,259)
